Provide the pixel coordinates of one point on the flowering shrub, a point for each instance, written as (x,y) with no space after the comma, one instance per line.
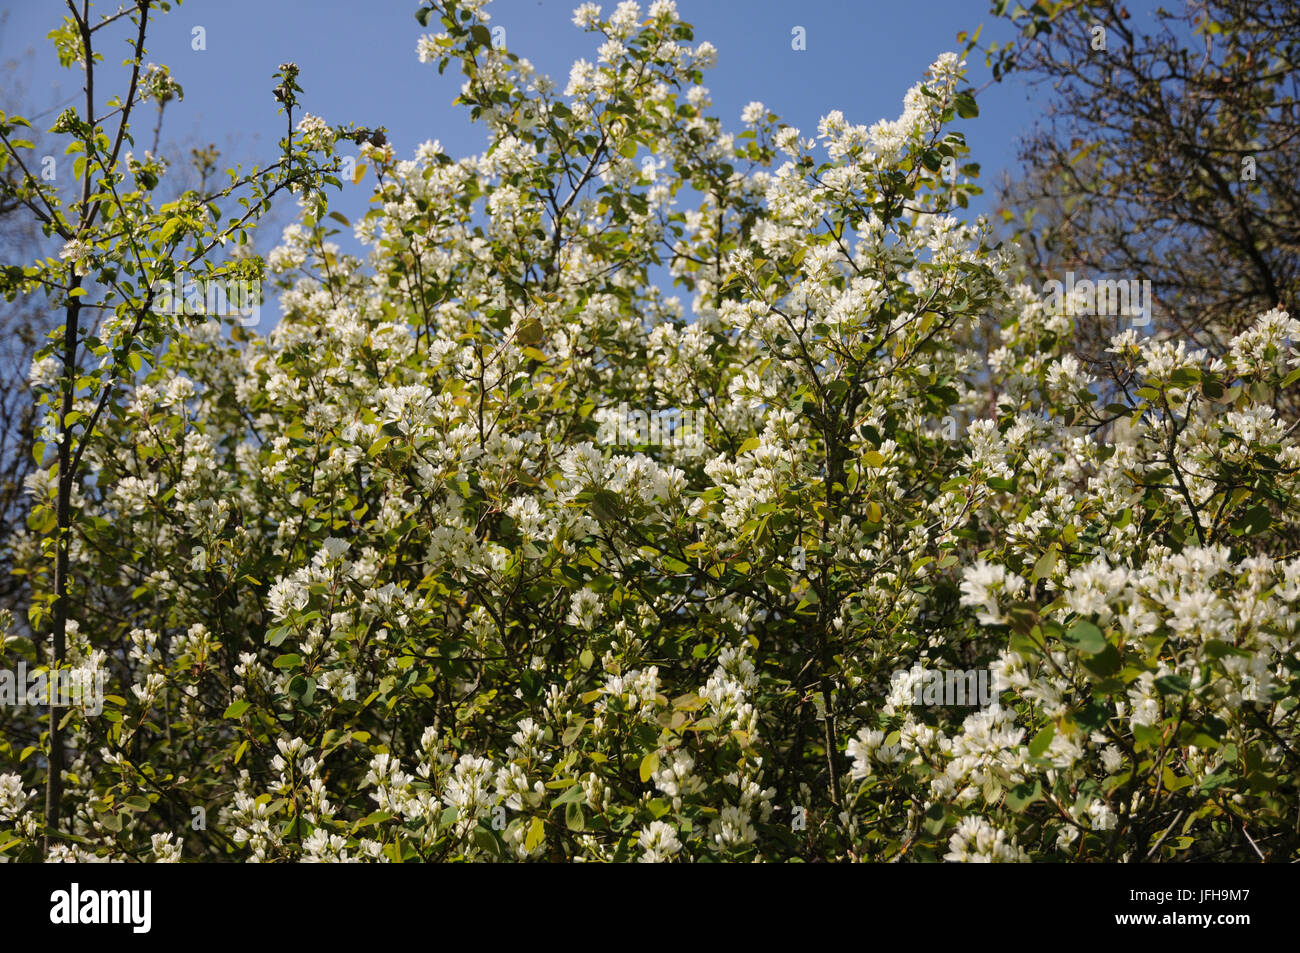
(372,588)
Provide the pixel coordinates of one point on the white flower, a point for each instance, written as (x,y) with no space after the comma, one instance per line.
(978,841)
(1112,759)
(947,68)
(732,828)
(860,749)
(983,583)
(287,595)
(787,140)
(153,684)
(611,51)
(429,150)
(587,16)
(625,18)
(166,848)
(675,778)
(78,252)
(585,609)
(12,796)
(45,372)
(660,843)
(1101,815)
(469,790)
(334,547)
(316,133)
(663,8)
(1269,339)
(427,49)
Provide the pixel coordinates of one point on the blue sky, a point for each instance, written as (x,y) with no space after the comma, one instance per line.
(358,64)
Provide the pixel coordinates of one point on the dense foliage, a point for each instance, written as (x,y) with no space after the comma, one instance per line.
(382,585)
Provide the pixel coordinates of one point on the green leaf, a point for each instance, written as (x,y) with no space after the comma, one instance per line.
(1225,775)
(1093,716)
(42,520)
(1085,637)
(810,598)
(1146,736)
(529,332)
(1104,664)
(536,833)
(649,764)
(485,841)
(303,688)
(573,792)
(1046,563)
(237,708)
(1041,741)
(572,733)
(1173,685)
(1214,391)
(1022,795)
(1254,520)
